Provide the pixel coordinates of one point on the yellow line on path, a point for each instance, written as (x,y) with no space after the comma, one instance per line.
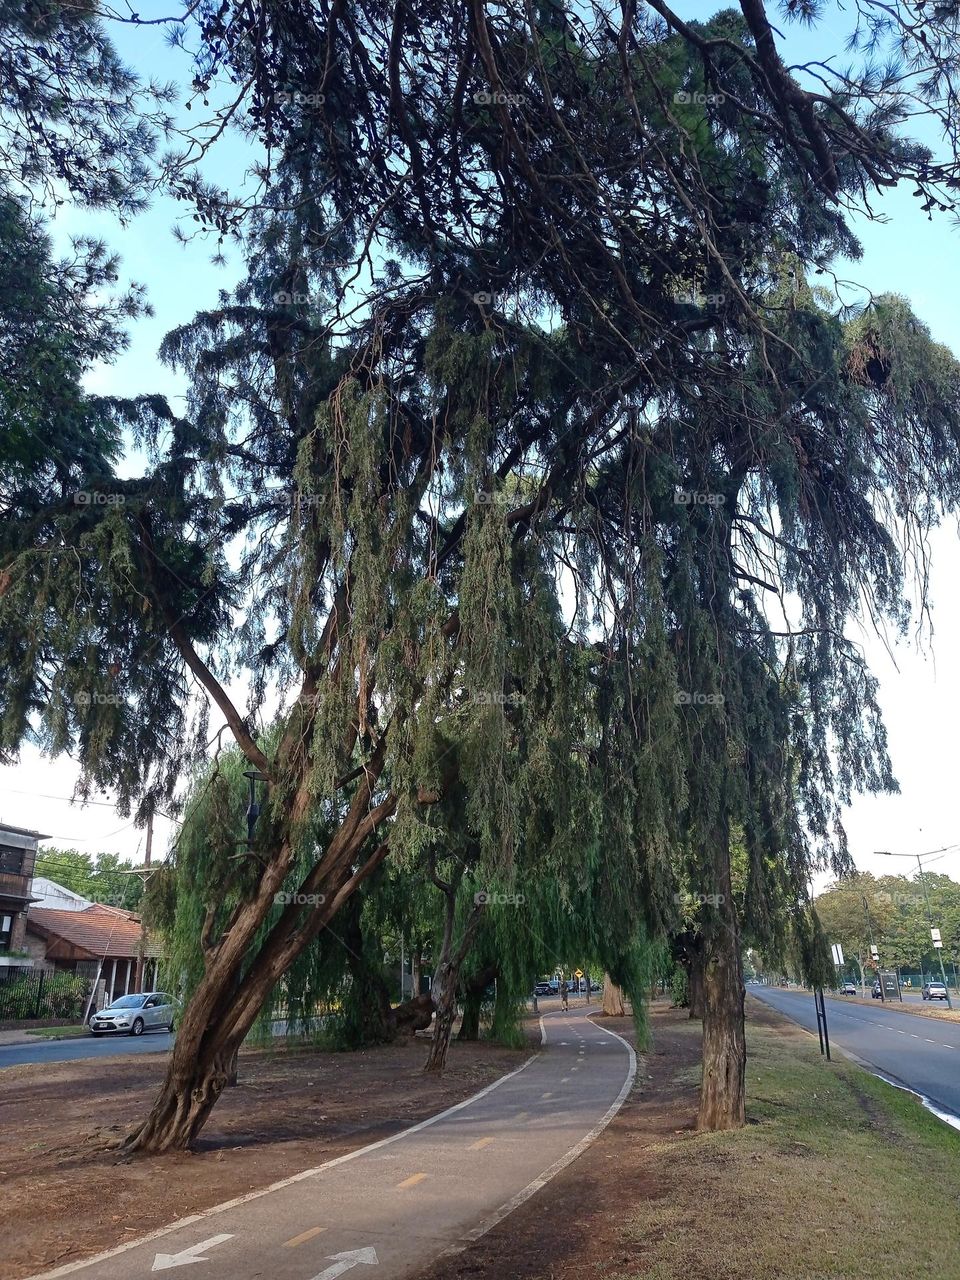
(411,1181)
(303,1237)
(479,1144)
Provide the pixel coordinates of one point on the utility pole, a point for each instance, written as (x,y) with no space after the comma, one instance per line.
(874,953)
(934,933)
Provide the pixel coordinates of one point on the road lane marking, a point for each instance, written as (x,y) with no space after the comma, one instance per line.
(546,1095)
(303,1237)
(346,1262)
(479,1144)
(566,1079)
(411,1181)
(164,1261)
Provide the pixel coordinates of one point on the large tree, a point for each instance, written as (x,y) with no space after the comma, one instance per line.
(516,279)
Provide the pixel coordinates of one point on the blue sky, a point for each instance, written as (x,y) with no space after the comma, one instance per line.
(920,682)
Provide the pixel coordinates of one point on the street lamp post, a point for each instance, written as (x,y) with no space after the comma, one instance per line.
(937,944)
(253,776)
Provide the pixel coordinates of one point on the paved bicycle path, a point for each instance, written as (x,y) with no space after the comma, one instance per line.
(386,1211)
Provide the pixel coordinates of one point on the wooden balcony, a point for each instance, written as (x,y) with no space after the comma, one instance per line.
(14,886)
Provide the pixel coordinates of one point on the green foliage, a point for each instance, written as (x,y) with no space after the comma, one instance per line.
(679,993)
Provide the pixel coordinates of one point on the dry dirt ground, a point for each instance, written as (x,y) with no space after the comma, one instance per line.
(67,1193)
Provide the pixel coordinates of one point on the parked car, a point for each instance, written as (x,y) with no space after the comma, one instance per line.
(543,989)
(848,989)
(934,991)
(133,1015)
(876,993)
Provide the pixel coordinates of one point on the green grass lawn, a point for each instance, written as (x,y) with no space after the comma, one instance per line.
(838,1176)
(56,1033)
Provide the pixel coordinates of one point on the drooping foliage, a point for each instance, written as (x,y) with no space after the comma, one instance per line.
(525,474)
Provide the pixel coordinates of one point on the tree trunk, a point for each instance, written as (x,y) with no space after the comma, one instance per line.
(225,1005)
(187,1097)
(416,959)
(367,1004)
(473,1002)
(613,1005)
(724,1044)
(447,973)
(412,1015)
(445,1003)
(695,983)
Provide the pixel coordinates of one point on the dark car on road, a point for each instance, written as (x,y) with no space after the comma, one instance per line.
(543,989)
(934,991)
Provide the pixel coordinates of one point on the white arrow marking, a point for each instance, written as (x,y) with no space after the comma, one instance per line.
(164,1260)
(344,1261)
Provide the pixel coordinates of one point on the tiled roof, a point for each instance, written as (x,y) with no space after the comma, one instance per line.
(99,930)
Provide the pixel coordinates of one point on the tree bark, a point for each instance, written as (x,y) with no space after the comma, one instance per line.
(722,1102)
(447,972)
(613,1005)
(695,977)
(370,1015)
(225,1004)
(473,1002)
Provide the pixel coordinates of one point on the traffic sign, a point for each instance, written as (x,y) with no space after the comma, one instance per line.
(578,973)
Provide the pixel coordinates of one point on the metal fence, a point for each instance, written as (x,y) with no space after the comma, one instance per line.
(27,993)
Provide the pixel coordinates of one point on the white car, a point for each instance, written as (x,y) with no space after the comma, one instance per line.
(133,1015)
(848,989)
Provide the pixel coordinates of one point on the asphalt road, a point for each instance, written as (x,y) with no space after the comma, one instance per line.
(400,1203)
(39,1050)
(921,1053)
(87,1046)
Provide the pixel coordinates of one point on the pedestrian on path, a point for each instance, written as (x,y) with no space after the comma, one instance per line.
(564,990)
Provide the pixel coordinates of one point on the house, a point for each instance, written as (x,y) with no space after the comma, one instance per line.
(18,856)
(47,893)
(104,944)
